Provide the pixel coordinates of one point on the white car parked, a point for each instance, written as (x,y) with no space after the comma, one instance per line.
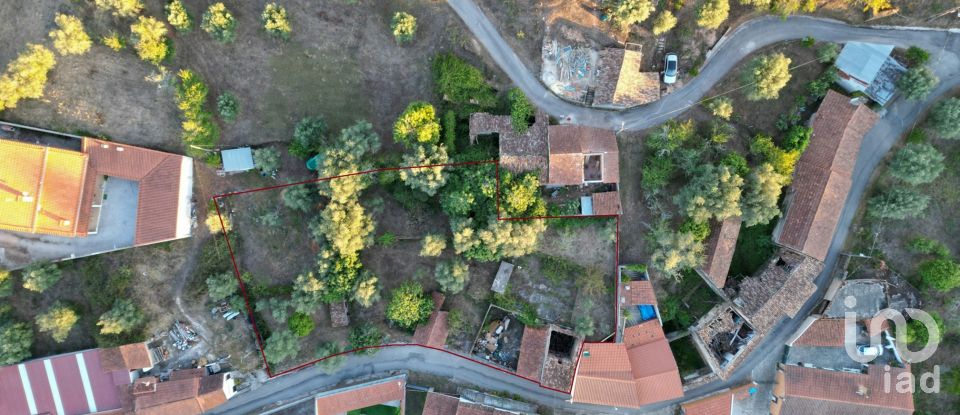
(670,68)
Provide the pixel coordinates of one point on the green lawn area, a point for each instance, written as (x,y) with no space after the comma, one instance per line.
(688,359)
(754,247)
(377,410)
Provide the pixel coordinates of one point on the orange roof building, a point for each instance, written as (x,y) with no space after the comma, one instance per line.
(579,155)
(824,175)
(389,392)
(188,392)
(719,249)
(720,403)
(127,357)
(434,332)
(639,371)
(53,191)
(804,390)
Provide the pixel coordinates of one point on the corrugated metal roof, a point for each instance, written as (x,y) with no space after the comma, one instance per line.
(863,60)
(237,159)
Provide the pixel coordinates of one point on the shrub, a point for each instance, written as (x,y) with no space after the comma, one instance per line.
(123,317)
(712,13)
(301,197)
(275,22)
(368,291)
(433,245)
(699,230)
(26,76)
(798,138)
(114,41)
(150,39)
(917,56)
(450,131)
(70,38)
(917,83)
(828,52)
(766,75)
(945,118)
(409,306)
(15,341)
(40,276)
(941,274)
(267,160)
(228,106)
(521,110)
(721,107)
(281,345)
(365,336)
(917,163)
(6,283)
(120,8)
(452,276)
(178,16)
(875,6)
(219,23)
(308,137)
(223,285)
(417,125)
(300,324)
(927,246)
(656,173)
(199,129)
(897,203)
(917,333)
(462,84)
(404,27)
(584,325)
(736,163)
(57,321)
(664,22)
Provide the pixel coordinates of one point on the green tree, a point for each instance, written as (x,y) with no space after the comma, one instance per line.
(199,128)
(433,245)
(276,306)
(713,193)
(178,16)
(425,179)
(656,173)
(347,226)
(266,159)
(57,321)
(6,280)
(917,163)
(897,203)
(122,318)
(368,291)
(583,325)
(114,41)
(766,151)
(40,276)
(521,110)
(365,336)
(26,76)
(736,162)
(302,197)
(120,8)
(330,359)
(309,137)
(945,118)
(69,38)
(828,52)
(409,306)
(664,22)
(798,138)
(452,275)
(223,285)
(699,230)
(281,345)
(942,274)
(300,324)
(404,27)
(712,13)
(150,39)
(218,22)
(917,83)
(787,7)
(521,195)
(275,21)
(417,125)
(762,191)
(674,251)
(308,291)
(228,106)
(340,276)
(628,12)
(721,107)
(917,333)
(927,246)
(766,75)
(917,56)
(462,84)
(875,6)
(15,341)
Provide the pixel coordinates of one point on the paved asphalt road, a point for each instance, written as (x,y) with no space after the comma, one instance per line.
(900,117)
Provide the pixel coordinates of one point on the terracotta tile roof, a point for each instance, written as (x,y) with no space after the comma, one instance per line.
(434,333)
(823,175)
(818,391)
(188,392)
(126,358)
(40,189)
(620,82)
(720,403)
(637,372)
(637,293)
(533,350)
(824,332)
(719,250)
(518,152)
(568,144)
(361,397)
(606,203)
(778,290)
(440,404)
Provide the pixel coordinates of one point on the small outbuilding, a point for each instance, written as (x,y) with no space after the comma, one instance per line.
(237,160)
(503,277)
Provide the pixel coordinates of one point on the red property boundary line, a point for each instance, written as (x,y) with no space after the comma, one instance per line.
(496,163)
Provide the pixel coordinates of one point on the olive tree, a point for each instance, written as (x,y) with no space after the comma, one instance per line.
(917,83)
(917,163)
(945,118)
(178,16)
(766,75)
(281,345)
(275,21)
(223,285)
(15,341)
(302,197)
(452,275)
(721,107)
(433,245)
(628,12)
(664,22)
(120,8)
(409,306)
(26,76)
(150,39)
(218,22)
(228,106)
(713,193)
(121,318)
(40,276)
(425,179)
(309,137)
(674,251)
(712,13)
(897,203)
(267,160)
(308,291)
(368,291)
(762,191)
(69,38)
(57,321)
